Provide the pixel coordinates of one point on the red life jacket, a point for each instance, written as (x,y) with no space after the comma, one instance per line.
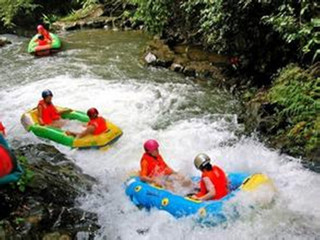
(6,164)
(2,129)
(100,125)
(49,113)
(218,179)
(42,42)
(153,167)
(45,34)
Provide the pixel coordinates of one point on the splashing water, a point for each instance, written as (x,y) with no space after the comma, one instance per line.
(186,118)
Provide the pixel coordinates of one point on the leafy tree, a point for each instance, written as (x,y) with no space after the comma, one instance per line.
(10,8)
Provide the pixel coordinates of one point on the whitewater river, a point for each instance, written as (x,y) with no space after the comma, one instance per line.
(101,69)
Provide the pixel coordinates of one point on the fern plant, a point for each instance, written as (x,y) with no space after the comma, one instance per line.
(297,95)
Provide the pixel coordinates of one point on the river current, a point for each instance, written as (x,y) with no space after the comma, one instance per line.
(101,69)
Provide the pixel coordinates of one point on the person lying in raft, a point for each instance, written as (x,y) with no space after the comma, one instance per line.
(45,33)
(155,170)
(48,115)
(213,183)
(95,126)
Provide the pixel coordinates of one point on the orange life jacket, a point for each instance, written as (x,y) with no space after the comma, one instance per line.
(6,164)
(100,125)
(49,112)
(153,167)
(218,179)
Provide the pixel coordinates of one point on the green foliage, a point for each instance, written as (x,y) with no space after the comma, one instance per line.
(49,19)
(297,94)
(77,15)
(10,8)
(19,220)
(87,3)
(265,34)
(154,13)
(298,22)
(27,175)
(33,11)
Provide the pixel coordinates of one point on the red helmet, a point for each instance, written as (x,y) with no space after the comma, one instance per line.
(92,112)
(151,145)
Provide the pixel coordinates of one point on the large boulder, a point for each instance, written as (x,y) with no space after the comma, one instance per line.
(46,205)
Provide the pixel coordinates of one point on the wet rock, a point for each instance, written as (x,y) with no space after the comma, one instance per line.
(218,59)
(164,55)
(189,71)
(196,54)
(65,26)
(108,16)
(4,41)
(181,60)
(180,49)
(47,208)
(192,61)
(150,58)
(97,22)
(176,67)
(56,236)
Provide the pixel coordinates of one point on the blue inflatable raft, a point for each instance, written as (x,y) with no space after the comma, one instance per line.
(212,212)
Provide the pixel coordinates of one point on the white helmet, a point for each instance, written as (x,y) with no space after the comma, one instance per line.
(201,160)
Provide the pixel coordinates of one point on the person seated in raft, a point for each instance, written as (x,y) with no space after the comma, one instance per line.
(2,129)
(41,41)
(95,126)
(2,135)
(8,162)
(42,31)
(47,112)
(213,183)
(155,170)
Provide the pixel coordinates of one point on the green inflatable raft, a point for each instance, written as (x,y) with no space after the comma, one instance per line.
(54,46)
(30,122)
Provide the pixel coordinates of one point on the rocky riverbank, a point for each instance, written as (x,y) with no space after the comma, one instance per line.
(192,61)
(108,16)
(43,204)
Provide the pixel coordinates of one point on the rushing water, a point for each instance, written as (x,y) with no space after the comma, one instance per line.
(101,69)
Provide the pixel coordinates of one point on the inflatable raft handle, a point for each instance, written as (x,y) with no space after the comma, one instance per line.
(193,200)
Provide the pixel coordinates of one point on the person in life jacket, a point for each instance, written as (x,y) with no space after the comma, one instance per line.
(47,112)
(41,41)
(2,129)
(46,35)
(95,126)
(2,136)
(7,161)
(213,183)
(155,170)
